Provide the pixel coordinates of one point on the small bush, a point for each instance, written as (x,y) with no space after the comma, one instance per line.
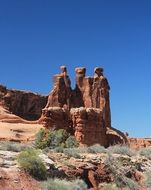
(54,139)
(124,150)
(82,150)
(78,185)
(130,184)
(57,184)
(30,161)
(96,149)
(12,146)
(39,139)
(71,142)
(146,152)
(57,138)
(119,174)
(59,149)
(148,180)
(71,152)
(109,187)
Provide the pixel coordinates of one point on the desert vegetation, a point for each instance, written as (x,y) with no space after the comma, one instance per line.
(30,161)
(54,139)
(57,161)
(58,184)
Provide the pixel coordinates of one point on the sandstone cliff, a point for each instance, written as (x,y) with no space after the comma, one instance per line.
(26,105)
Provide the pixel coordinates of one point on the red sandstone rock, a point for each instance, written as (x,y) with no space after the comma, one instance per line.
(115,136)
(61,93)
(89,126)
(56,118)
(137,143)
(27,105)
(84,111)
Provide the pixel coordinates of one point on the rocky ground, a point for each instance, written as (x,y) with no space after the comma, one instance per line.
(97,166)
(11,176)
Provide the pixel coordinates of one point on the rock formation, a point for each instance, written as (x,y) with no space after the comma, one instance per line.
(137,143)
(56,118)
(26,105)
(89,126)
(84,111)
(60,95)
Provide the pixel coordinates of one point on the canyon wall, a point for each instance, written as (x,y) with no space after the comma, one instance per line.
(26,105)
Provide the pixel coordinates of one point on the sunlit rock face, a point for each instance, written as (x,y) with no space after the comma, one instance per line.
(84,111)
(89,126)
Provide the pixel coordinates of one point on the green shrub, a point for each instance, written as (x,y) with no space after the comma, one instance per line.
(30,161)
(12,146)
(119,174)
(71,142)
(148,180)
(54,139)
(146,152)
(130,184)
(82,149)
(78,185)
(71,152)
(109,187)
(40,139)
(58,138)
(119,149)
(59,149)
(57,184)
(96,149)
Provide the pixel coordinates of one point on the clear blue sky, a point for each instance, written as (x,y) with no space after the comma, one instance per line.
(37,36)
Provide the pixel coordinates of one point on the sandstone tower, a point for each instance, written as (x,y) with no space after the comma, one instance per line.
(83,111)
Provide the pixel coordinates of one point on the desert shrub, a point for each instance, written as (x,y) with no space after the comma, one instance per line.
(71,142)
(12,146)
(78,185)
(96,149)
(145,152)
(82,150)
(71,152)
(109,187)
(40,139)
(59,149)
(57,138)
(130,184)
(77,150)
(57,184)
(30,161)
(124,150)
(119,174)
(54,139)
(148,180)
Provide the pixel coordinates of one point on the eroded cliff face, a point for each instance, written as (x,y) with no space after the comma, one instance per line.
(137,143)
(26,105)
(83,111)
(89,126)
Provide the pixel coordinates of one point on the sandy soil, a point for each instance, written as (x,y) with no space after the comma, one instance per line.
(18,131)
(15,128)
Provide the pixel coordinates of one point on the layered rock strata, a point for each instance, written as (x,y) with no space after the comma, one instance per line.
(84,111)
(26,105)
(89,126)
(56,118)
